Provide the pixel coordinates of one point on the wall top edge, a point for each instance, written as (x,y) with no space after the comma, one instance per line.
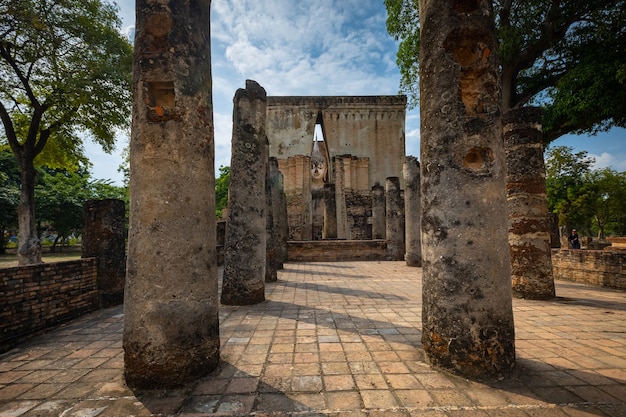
(325,101)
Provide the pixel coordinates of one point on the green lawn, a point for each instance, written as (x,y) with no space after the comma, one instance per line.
(68,254)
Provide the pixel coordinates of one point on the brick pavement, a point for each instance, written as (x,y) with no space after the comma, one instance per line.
(340,339)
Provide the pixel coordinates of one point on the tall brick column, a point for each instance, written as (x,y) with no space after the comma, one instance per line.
(467,311)
(330,212)
(412,211)
(245,246)
(271,231)
(171,326)
(378,212)
(279,211)
(394,213)
(103,238)
(530,222)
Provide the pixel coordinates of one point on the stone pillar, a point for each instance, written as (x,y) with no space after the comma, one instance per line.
(529,221)
(245,247)
(278,208)
(103,238)
(378,212)
(271,233)
(330,212)
(394,220)
(412,211)
(171,324)
(467,311)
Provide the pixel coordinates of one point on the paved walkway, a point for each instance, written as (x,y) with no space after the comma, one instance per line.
(339,339)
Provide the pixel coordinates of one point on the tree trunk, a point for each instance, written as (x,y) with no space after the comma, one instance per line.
(467,310)
(29,248)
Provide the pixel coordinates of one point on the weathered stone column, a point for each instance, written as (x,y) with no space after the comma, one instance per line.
(378,212)
(529,221)
(281,218)
(103,238)
(467,311)
(412,211)
(171,326)
(278,209)
(271,234)
(330,212)
(245,247)
(394,209)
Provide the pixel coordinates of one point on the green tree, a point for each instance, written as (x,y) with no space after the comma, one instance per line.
(609,205)
(9,195)
(567,56)
(567,186)
(60,197)
(221,190)
(65,72)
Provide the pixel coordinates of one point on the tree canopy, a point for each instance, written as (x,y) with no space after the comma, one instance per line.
(60,196)
(568,57)
(591,201)
(221,190)
(65,73)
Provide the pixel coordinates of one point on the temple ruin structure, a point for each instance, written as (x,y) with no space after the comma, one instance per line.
(362,144)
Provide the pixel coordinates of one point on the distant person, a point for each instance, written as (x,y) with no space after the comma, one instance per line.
(573,240)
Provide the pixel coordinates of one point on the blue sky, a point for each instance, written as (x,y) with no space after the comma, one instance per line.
(322,47)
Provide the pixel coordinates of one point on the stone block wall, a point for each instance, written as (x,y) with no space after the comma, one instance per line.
(337,250)
(359,214)
(35,297)
(595,267)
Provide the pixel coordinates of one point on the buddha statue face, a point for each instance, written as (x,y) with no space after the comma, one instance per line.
(318,169)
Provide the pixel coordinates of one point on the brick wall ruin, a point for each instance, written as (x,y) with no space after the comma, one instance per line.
(35,297)
(601,268)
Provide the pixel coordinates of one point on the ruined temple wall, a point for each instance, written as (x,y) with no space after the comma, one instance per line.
(359,213)
(371,127)
(297,186)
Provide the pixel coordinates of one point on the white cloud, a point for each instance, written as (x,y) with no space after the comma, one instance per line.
(607,160)
(322,47)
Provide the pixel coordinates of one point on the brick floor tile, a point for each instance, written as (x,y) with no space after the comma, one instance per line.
(278,369)
(378,399)
(402,381)
(242,385)
(486,397)
(370,381)
(307,402)
(393,368)
(349,400)
(11,376)
(335,368)
(417,398)
(306,383)
(364,368)
(12,391)
(434,380)
(77,390)
(274,403)
(592,394)
(332,357)
(41,392)
(339,383)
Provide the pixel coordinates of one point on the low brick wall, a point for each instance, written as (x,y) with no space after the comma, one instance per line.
(595,267)
(35,297)
(336,250)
